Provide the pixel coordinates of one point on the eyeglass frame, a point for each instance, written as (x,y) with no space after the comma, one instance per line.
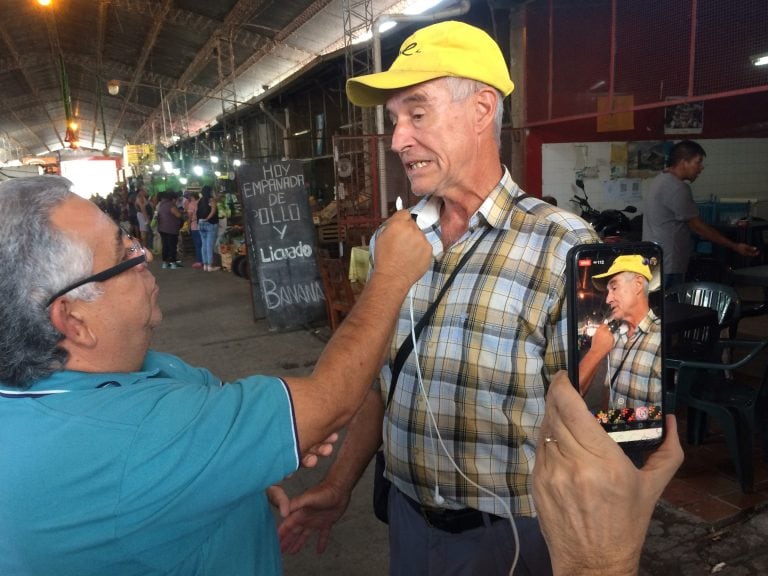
(110,272)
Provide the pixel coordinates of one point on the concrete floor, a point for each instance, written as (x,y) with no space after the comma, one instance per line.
(208,322)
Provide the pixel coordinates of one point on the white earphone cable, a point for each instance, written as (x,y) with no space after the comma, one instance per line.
(433,422)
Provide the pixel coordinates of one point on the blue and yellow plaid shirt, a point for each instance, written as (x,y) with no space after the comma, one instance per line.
(486,358)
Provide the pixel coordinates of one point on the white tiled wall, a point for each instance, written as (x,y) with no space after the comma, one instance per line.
(734,169)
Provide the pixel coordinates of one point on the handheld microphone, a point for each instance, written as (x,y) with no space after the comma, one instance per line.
(616,326)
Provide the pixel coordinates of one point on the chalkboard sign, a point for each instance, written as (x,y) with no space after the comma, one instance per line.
(281,244)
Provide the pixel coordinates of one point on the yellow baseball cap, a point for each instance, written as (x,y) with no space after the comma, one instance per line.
(445,49)
(627,263)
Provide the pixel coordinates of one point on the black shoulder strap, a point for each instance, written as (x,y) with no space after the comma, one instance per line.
(407,345)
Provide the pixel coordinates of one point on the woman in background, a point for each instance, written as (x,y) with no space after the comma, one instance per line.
(190,209)
(168,224)
(208,223)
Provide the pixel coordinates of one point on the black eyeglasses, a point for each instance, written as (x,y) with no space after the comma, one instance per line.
(131,261)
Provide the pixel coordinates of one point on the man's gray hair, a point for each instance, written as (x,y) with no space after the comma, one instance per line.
(461,88)
(629,276)
(36,260)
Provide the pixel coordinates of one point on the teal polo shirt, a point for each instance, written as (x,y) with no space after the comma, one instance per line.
(161,471)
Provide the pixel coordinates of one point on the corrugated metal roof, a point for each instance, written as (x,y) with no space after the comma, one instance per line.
(168,56)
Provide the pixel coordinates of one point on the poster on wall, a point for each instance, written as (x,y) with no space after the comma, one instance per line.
(608,121)
(684,118)
(645,159)
(619,157)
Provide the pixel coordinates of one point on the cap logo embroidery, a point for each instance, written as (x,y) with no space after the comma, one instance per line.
(411,49)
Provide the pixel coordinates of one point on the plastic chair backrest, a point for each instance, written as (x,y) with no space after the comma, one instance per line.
(720,297)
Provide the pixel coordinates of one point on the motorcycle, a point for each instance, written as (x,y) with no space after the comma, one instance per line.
(611,225)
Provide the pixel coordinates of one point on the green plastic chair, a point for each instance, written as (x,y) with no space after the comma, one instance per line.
(718,391)
(720,297)
(700,343)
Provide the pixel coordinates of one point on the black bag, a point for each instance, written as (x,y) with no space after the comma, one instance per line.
(380,489)
(381,485)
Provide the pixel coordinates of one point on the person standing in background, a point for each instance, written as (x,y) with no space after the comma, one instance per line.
(168,224)
(124,210)
(670,215)
(208,223)
(142,215)
(223,212)
(190,209)
(152,222)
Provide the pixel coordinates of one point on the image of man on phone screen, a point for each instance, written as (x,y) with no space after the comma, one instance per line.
(626,348)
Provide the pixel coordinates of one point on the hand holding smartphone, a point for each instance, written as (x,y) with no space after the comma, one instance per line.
(615,338)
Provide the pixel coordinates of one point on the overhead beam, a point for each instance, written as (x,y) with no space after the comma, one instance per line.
(240,12)
(101,31)
(27,78)
(184,18)
(310,12)
(149,43)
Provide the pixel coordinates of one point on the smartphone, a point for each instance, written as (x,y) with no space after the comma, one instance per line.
(616,338)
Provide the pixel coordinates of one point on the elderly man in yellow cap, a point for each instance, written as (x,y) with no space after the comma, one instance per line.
(461,413)
(631,340)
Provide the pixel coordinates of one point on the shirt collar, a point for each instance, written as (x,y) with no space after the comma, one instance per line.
(495,210)
(74,380)
(498,205)
(648,321)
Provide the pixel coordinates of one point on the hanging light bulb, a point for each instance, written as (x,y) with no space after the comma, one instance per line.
(70,134)
(113,87)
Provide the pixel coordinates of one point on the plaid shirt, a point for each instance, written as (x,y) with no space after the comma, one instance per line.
(496,339)
(639,379)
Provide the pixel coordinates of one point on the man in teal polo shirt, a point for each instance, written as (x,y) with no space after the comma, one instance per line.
(119,460)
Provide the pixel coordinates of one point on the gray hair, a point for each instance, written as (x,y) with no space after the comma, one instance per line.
(36,260)
(629,276)
(461,88)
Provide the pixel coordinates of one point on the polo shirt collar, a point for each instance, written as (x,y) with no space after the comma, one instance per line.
(74,381)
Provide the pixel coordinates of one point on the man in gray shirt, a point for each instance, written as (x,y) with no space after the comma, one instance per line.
(670,215)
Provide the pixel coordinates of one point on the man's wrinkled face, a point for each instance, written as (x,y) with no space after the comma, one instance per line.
(432,135)
(622,295)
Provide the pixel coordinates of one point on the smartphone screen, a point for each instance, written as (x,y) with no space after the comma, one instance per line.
(616,340)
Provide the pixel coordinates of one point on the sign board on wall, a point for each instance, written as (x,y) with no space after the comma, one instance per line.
(286,284)
(136,154)
(609,121)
